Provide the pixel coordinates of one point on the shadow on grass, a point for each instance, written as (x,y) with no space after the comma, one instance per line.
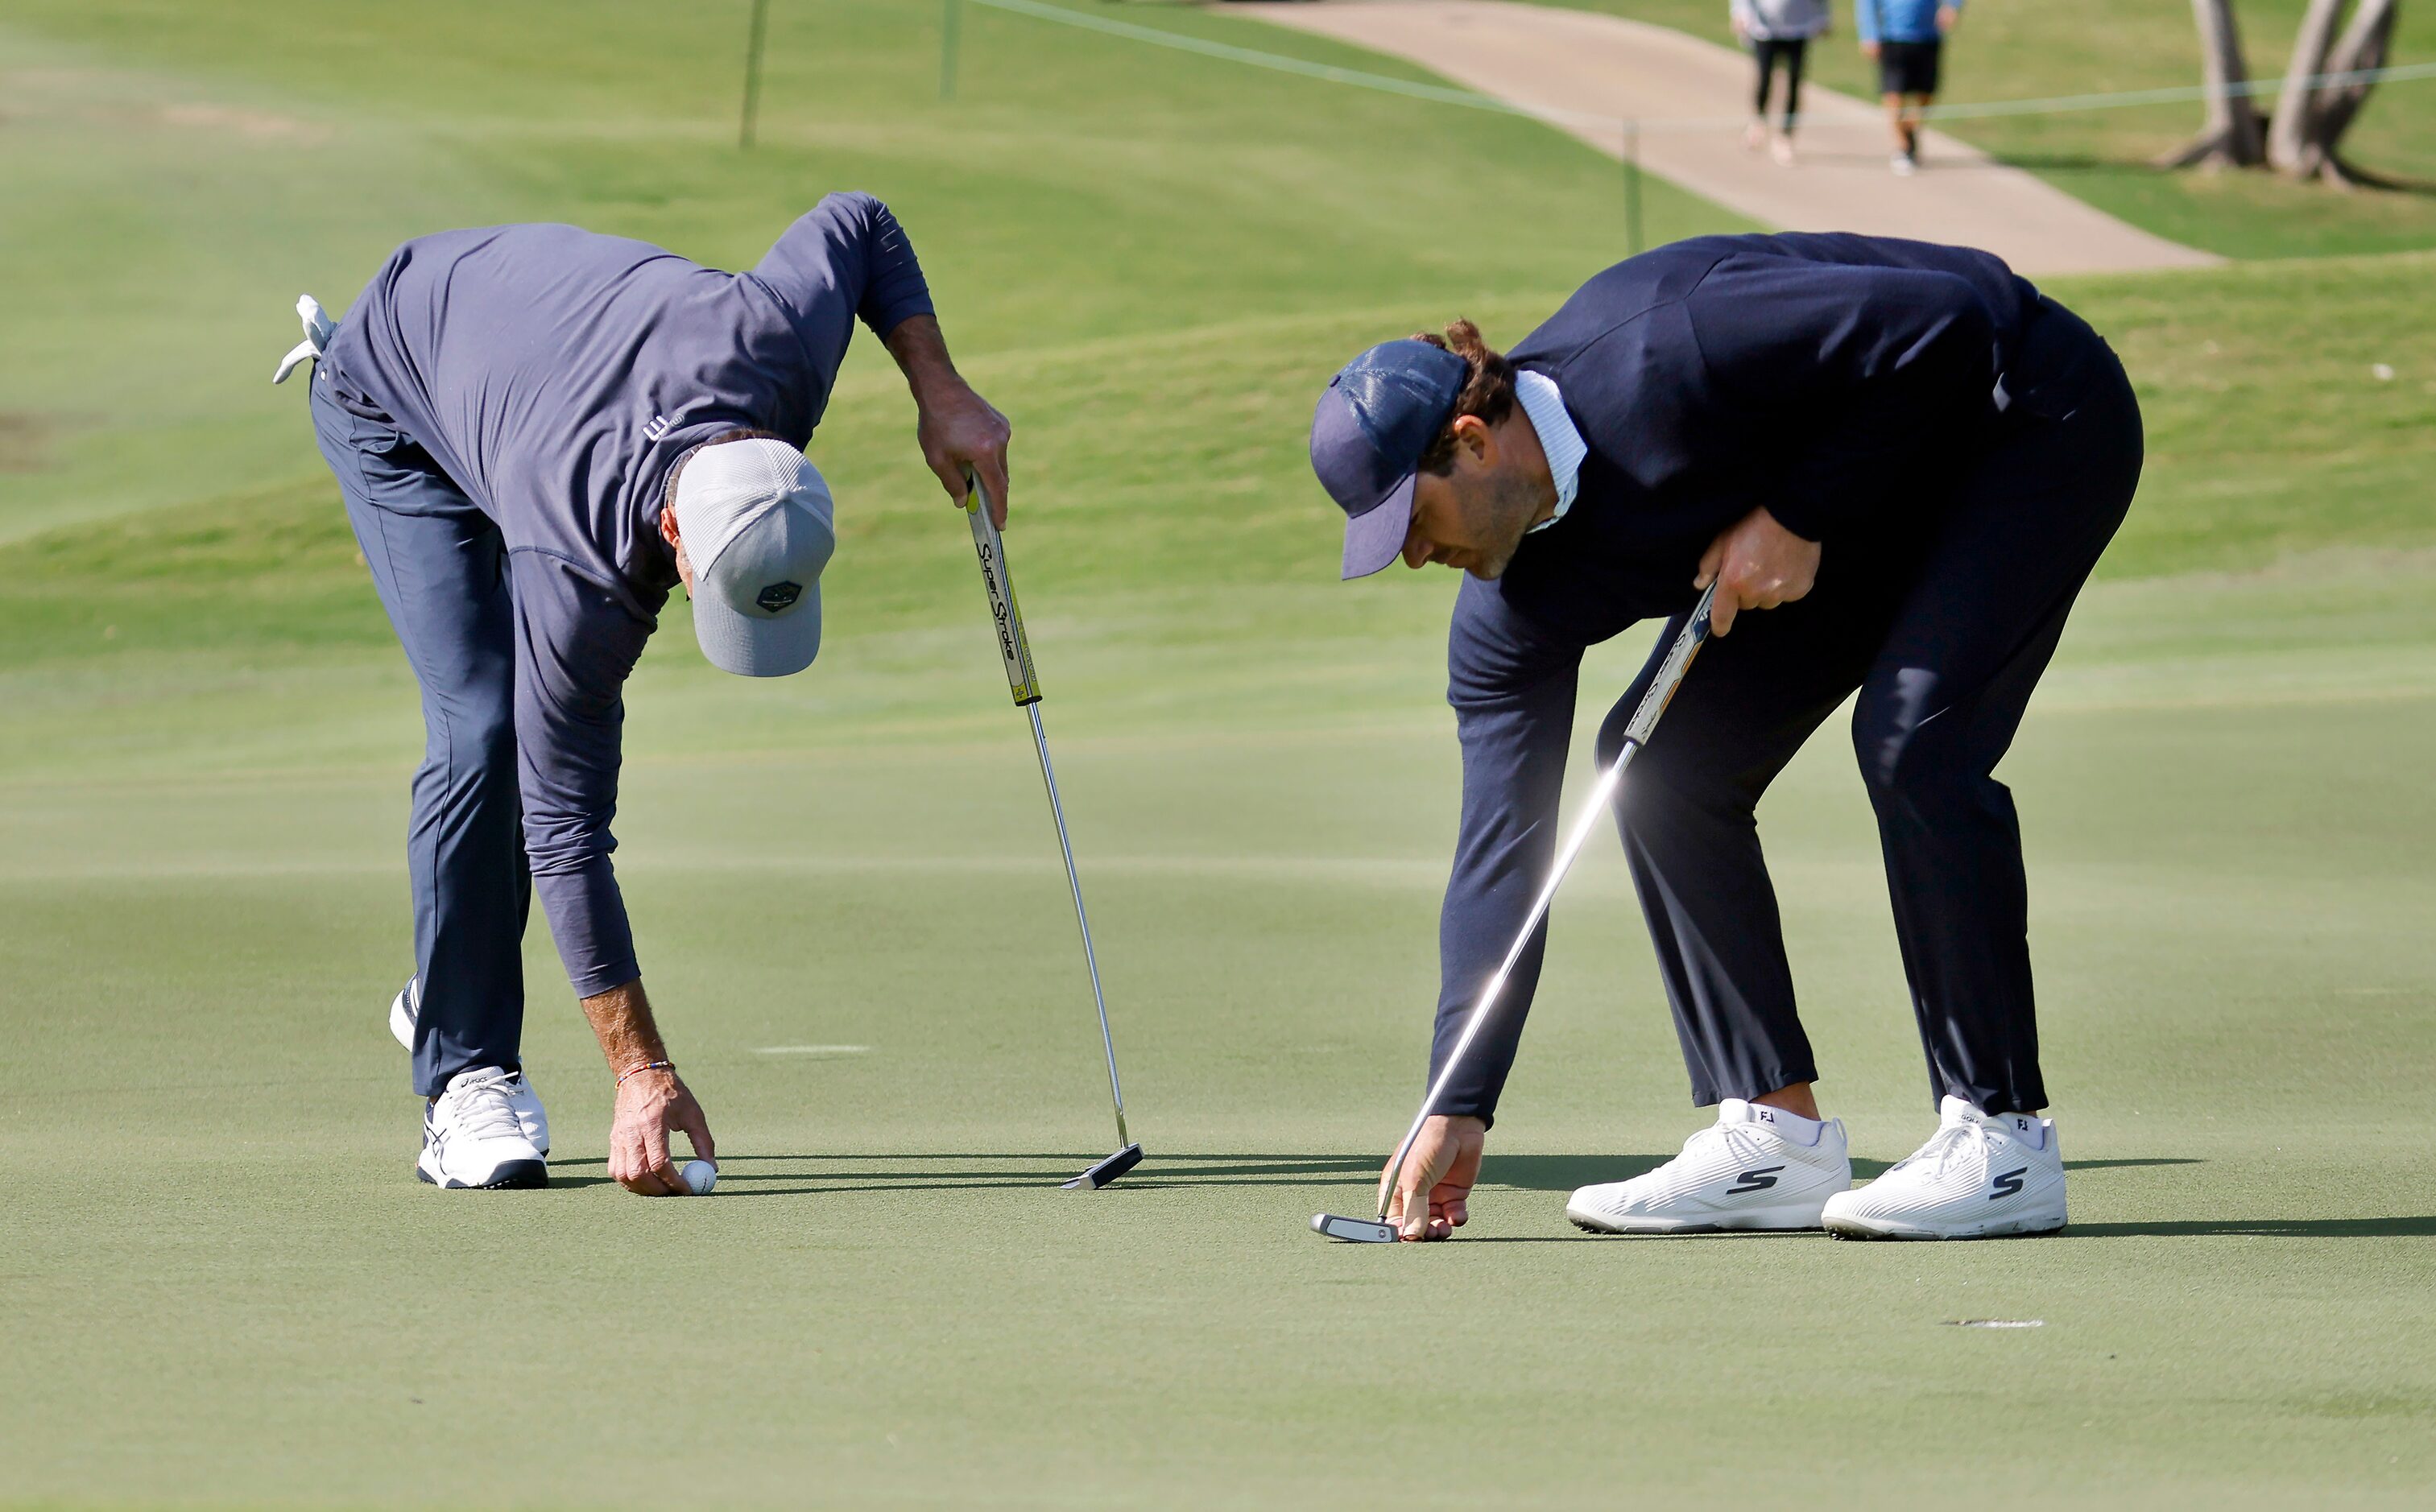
(2420,1226)
(981,1173)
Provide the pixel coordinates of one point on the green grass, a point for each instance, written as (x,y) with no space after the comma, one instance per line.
(2043,49)
(225,1289)
(1191,194)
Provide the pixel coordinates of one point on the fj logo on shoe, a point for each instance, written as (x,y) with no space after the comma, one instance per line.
(778,596)
(2009,1184)
(1759,1181)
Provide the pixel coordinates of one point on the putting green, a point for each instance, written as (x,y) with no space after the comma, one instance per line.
(225,1288)
(230,1289)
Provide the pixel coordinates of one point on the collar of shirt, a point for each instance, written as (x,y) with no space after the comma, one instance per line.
(1544,404)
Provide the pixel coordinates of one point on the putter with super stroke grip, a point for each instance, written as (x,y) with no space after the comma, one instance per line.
(1688,642)
(1015,649)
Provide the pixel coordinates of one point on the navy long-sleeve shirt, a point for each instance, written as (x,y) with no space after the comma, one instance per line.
(555,375)
(1821,376)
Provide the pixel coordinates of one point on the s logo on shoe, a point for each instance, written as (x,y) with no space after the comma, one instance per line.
(1765,1177)
(2009,1184)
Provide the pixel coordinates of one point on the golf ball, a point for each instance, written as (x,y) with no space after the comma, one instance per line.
(700,1176)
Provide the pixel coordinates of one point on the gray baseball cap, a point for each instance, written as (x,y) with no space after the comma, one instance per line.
(754,517)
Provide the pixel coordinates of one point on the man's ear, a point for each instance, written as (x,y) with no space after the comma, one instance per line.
(1473,437)
(667,524)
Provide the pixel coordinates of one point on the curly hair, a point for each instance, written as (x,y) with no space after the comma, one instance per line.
(1487,391)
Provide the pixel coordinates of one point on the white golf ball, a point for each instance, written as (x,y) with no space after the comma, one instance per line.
(700,1176)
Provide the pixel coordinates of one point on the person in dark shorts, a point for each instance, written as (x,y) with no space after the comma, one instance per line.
(1778,31)
(1908,37)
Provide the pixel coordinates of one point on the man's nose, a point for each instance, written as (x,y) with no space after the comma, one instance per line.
(1416,549)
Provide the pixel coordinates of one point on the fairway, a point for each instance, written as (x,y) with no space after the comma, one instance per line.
(226,1288)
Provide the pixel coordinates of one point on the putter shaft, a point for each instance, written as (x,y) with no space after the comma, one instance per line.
(1644,721)
(1023,683)
(1082,920)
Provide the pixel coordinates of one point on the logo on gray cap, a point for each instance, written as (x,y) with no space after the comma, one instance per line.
(778,596)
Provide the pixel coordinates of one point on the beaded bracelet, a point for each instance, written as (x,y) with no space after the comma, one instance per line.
(647,1066)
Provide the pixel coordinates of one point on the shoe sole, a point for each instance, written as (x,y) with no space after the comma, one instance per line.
(516,1175)
(1866,1228)
(1758,1220)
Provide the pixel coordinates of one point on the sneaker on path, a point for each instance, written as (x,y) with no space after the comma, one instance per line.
(1903,164)
(1742,1172)
(1981,1176)
(472,1138)
(403,1010)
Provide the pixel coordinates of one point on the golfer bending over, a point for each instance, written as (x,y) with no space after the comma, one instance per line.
(1908,457)
(539,431)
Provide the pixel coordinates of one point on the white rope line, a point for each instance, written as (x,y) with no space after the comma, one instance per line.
(1441,94)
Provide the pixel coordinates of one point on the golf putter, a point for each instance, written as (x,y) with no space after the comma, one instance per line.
(1687,644)
(1016,651)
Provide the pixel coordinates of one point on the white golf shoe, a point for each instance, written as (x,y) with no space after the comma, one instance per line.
(1742,1172)
(472,1138)
(1979,1176)
(403,1010)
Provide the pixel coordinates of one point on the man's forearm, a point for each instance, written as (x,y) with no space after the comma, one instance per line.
(921,353)
(962,438)
(621,1021)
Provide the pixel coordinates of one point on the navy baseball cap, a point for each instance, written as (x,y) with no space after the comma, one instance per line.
(1378,415)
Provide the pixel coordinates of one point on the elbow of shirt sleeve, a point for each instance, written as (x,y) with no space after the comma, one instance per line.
(894,289)
(885,312)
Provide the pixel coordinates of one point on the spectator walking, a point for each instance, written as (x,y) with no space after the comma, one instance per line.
(1906,37)
(1778,31)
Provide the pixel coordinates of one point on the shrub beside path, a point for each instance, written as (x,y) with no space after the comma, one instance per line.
(1565,63)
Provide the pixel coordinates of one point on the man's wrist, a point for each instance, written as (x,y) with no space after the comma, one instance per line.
(670,1067)
(621,1021)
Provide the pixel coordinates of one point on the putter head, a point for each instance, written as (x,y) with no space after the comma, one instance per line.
(1353,1230)
(1106,1171)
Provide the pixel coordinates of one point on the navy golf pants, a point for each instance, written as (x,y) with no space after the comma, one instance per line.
(1943,626)
(442,574)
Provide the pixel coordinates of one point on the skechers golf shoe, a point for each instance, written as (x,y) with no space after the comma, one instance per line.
(1979,1176)
(1744,1171)
(472,1138)
(404,1009)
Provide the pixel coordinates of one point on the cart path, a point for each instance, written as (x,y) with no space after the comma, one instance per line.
(1564,63)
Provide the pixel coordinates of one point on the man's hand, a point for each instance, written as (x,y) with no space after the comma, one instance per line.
(1869,49)
(1756,564)
(650,1103)
(957,428)
(651,1106)
(1947,16)
(1432,1196)
(960,429)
